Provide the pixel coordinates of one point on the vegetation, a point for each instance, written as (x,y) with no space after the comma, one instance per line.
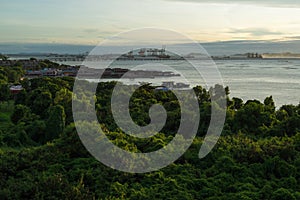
(3,57)
(257,156)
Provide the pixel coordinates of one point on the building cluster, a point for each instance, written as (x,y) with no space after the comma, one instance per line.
(15,89)
(172,84)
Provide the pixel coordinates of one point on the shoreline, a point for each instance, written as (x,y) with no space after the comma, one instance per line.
(116,57)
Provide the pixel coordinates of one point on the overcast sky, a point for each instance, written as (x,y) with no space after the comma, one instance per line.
(91,21)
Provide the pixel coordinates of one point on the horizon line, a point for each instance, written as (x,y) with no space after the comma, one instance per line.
(201,42)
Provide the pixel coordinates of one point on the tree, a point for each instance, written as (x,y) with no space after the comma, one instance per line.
(55,123)
(13,77)
(251,117)
(3,57)
(202,94)
(269,104)
(21,97)
(36,131)
(39,101)
(20,112)
(282,194)
(64,98)
(3,76)
(237,103)
(4,93)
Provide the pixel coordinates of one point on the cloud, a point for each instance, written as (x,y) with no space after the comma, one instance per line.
(256,32)
(268,3)
(90,30)
(293,38)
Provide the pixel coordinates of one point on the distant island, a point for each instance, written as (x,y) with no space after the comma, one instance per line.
(145,54)
(260,56)
(149,54)
(281,55)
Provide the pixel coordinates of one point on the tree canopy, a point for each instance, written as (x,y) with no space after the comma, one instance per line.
(42,157)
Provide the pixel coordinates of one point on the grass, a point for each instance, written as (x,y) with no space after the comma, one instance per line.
(6,109)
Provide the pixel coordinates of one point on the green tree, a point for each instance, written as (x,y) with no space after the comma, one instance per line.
(37,131)
(39,101)
(21,112)
(55,123)
(3,57)
(282,194)
(237,103)
(64,98)
(251,117)
(269,104)
(4,93)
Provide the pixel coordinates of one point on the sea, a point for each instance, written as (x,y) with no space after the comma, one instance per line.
(247,79)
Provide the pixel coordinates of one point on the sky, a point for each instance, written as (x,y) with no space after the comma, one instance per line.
(92,21)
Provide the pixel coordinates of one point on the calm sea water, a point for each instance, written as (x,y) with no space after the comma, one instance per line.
(247,79)
(257,79)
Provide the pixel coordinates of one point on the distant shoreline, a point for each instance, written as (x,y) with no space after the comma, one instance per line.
(81,57)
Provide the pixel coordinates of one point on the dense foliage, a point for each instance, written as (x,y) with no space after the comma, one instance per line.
(257,156)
